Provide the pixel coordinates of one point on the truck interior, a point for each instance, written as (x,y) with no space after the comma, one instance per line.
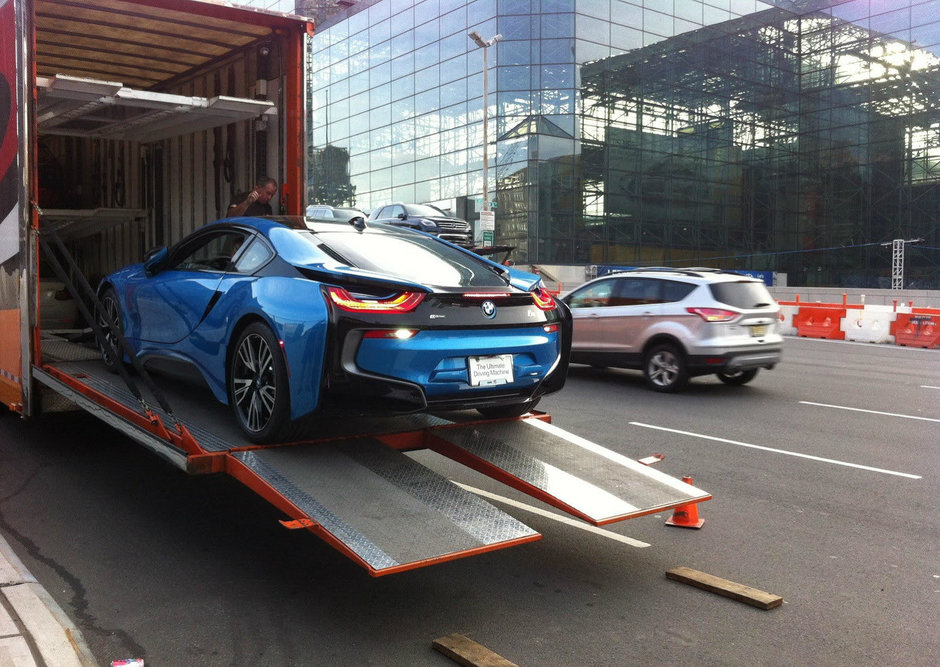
(152,115)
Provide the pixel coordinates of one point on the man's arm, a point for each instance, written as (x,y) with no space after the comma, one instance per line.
(236,210)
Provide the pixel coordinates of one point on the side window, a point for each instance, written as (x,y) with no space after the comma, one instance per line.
(255,256)
(639,291)
(596,295)
(395,211)
(675,291)
(212,252)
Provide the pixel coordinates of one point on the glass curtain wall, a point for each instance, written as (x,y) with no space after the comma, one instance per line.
(787,135)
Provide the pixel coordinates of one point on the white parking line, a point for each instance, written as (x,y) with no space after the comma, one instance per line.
(555,517)
(779,451)
(872,412)
(927,386)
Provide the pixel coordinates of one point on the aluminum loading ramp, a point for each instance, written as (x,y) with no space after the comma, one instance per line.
(379,507)
(566,471)
(354,486)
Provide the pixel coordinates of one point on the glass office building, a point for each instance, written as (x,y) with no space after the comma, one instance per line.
(796,136)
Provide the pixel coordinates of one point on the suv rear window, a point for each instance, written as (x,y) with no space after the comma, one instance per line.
(745,294)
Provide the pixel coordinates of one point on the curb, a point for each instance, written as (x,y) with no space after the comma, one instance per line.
(34,630)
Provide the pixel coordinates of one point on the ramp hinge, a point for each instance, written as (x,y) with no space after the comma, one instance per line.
(296,524)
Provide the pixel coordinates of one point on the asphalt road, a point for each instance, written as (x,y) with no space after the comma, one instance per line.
(824,475)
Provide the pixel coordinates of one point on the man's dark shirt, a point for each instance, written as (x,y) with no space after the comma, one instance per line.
(254,208)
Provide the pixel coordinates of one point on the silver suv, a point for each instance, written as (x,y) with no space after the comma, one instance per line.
(674,324)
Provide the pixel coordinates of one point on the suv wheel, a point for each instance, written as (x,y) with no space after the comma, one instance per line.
(738,378)
(664,368)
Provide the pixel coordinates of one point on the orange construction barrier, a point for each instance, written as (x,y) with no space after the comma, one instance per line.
(686,516)
(822,321)
(917,329)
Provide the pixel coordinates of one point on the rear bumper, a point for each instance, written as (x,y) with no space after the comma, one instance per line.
(430,372)
(732,362)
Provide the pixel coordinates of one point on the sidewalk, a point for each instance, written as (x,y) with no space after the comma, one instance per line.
(33,628)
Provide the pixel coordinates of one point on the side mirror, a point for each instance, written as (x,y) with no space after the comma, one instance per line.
(402,216)
(155,261)
(358,222)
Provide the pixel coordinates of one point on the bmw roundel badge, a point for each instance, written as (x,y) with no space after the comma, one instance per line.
(489,309)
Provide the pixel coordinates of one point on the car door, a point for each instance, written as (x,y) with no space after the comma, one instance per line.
(170,304)
(591,308)
(639,304)
(611,315)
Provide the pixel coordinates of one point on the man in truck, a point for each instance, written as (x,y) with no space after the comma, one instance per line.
(256,202)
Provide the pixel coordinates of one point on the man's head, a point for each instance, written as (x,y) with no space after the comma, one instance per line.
(267,188)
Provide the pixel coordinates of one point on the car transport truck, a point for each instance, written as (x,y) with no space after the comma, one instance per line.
(125,126)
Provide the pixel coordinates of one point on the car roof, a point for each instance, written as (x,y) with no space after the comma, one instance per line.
(697,273)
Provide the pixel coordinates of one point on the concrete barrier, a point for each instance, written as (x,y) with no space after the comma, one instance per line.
(871,324)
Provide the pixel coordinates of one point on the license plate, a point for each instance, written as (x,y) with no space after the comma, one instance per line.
(492,370)
(759,330)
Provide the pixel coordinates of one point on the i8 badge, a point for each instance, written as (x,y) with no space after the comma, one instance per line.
(489,309)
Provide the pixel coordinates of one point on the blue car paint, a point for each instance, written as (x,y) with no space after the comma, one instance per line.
(292,307)
(437,360)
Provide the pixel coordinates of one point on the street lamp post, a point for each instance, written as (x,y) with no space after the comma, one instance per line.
(485,44)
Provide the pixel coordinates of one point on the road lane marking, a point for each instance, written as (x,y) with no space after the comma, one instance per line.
(927,386)
(555,517)
(871,412)
(779,451)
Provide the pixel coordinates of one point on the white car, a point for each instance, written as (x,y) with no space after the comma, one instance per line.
(674,324)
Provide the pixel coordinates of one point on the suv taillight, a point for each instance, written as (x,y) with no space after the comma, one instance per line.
(714,314)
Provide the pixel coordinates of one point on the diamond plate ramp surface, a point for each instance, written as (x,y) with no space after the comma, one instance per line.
(381,508)
(564,470)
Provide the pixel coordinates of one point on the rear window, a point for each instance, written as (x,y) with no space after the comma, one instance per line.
(409,256)
(744,294)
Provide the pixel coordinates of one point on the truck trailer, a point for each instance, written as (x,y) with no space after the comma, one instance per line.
(128,125)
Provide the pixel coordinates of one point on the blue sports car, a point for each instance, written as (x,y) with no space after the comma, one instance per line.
(286,316)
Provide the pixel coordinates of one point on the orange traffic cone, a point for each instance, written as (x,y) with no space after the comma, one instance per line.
(686,516)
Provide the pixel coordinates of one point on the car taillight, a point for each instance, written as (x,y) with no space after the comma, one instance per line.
(543,299)
(714,314)
(395,334)
(402,303)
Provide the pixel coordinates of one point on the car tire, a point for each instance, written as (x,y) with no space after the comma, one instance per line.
(109,315)
(258,391)
(504,411)
(738,378)
(664,368)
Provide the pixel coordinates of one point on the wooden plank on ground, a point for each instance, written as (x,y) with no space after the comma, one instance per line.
(467,652)
(729,589)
